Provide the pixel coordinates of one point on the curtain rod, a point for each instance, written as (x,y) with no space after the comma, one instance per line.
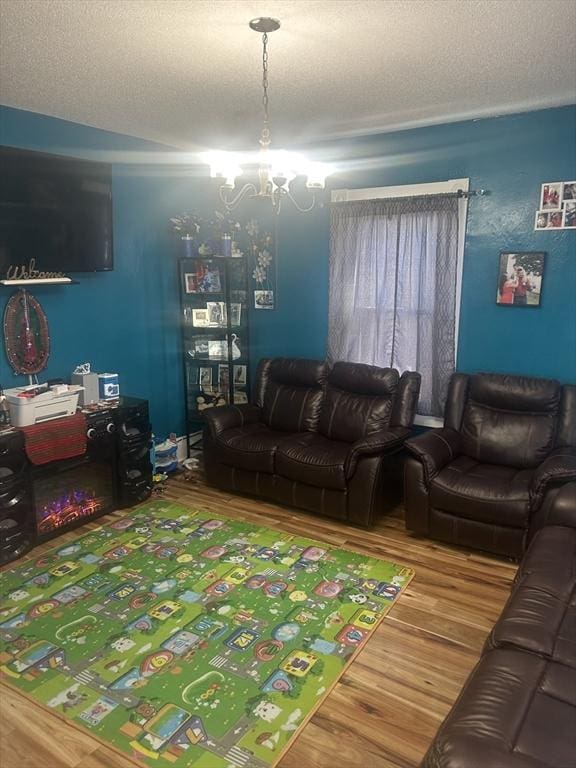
(460,193)
(472,193)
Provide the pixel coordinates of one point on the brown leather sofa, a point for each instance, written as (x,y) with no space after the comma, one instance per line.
(488,478)
(326,439)
(518,707)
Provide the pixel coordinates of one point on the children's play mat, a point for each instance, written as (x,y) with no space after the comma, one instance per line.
(188,638)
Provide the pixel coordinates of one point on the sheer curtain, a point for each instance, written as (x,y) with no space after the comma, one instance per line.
(393,272)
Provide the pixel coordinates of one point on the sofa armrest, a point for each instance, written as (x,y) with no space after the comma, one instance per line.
(387,441)
(563,510)
(225,417)
(558,467)
(435,449)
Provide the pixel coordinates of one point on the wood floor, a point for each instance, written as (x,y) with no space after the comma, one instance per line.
(385,710)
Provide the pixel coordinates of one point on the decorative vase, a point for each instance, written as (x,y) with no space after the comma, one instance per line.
(190,245)
(226,245)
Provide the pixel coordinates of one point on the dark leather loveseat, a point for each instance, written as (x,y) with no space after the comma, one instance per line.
(322,438)
(488,479)
(518,707)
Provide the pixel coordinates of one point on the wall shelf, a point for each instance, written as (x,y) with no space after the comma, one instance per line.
(41,281)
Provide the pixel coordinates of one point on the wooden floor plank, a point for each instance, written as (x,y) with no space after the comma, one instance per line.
(387,707)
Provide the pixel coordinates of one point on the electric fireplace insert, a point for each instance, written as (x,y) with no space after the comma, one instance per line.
(68,493)
(40,501)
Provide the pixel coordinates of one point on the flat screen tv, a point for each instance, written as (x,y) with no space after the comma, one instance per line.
(54,211)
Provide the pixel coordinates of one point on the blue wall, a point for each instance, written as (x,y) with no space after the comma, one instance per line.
(508,156)
(126,320)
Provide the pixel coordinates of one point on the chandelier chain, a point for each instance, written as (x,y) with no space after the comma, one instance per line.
(265,79)
(275,170)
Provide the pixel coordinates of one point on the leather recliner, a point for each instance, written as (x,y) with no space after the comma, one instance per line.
(322,438)
(487,479)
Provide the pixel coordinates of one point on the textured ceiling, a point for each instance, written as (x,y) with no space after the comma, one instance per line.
(187,72)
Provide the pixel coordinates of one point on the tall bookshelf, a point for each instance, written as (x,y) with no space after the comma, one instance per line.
(215,343)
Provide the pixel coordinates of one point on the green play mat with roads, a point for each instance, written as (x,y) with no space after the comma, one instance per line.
(184,637)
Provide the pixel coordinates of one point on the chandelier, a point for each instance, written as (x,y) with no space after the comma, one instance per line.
(275,168)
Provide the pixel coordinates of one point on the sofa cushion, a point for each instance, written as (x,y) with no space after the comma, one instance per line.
(540,615)
(293,394)
(251,447)
(539,619)
(482,492)
(551,556)
(358,402)
(516,711)
(314,460)
(510,420)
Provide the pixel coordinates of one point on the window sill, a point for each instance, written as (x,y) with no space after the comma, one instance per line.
(429,421)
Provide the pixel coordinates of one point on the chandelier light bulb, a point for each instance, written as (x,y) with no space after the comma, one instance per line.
(283,167)
(316,174)
(223,165)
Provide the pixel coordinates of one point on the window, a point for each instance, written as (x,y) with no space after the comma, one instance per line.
(395,275)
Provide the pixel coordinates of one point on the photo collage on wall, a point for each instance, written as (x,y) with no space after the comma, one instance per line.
(557,208)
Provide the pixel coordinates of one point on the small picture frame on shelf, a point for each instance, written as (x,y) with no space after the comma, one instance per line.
(235,314)
(205,378)
(223,377)
(240,397)
(216,313)
(240,375)
(190,285)
(217,350)
(200,318)
(199,348)
(263,299)
(520,278)
(191,377)
(204,279)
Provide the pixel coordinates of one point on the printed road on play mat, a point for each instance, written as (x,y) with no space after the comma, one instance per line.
(188,637)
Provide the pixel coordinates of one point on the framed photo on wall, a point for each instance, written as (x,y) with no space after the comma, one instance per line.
(568,192)
(520,277)
(551,196)
(569,220)
(263,299)
(548,220)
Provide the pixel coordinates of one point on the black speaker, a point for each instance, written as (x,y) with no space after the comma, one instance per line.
(133,443)
(17,523)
